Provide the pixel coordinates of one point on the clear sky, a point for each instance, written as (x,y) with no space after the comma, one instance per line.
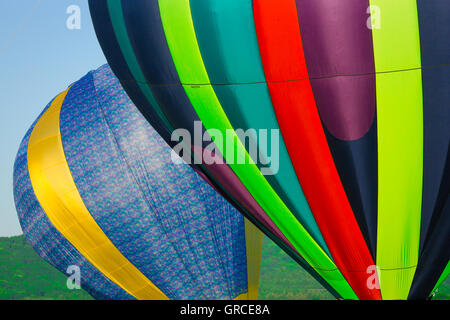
(39,58)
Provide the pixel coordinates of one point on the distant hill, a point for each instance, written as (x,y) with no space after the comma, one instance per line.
(24,275)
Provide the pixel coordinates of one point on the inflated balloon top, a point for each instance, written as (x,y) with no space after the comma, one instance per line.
(360,91)
(97,193)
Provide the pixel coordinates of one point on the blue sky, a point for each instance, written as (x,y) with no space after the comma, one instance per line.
(39,57)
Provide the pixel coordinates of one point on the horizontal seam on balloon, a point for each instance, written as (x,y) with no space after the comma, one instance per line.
(290,80)
(393,269)
(41,140)
(365,271)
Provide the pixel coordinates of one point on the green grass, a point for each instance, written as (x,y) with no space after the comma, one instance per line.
(443,292)
(282,278)
(24,275)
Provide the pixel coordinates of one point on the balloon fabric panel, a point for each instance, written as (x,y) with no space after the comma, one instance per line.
(435,55)
(279,35)
(400,148)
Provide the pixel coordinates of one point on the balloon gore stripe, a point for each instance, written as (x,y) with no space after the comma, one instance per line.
(56,191)
(281,48)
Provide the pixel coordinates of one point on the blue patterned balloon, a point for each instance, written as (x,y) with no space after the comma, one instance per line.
(136,224)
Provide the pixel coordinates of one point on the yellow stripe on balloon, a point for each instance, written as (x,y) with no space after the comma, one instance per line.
(254,241)
(58,195)
(399,96)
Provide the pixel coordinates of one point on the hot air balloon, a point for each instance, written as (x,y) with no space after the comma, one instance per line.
(360,92)
(96,189)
